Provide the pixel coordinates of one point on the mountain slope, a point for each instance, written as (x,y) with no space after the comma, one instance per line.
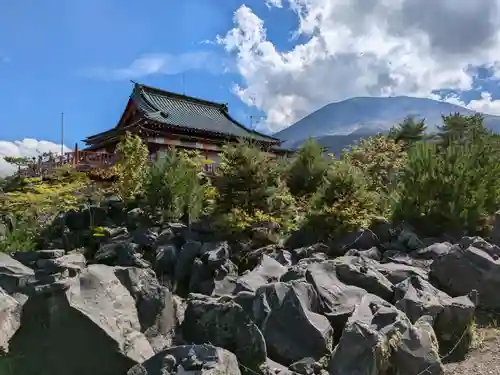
(338,124)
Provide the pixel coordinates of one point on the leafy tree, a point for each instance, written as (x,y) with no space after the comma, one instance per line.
(459,128)
(409,131)
(174,187)
(306,170)
(18,161)
(132,166)
(250,189)
(343,203)
(380,159)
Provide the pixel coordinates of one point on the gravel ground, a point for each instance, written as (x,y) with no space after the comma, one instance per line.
(485,358)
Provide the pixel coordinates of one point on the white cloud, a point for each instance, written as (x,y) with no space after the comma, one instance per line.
(363,48)
(274,3)
(165,63)
(28,147)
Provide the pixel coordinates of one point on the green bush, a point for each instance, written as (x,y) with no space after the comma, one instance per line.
(174,187)
(380,159)
(131,167)
(453,189)
(250,189)
(21,236)
(306,170)
(344,202)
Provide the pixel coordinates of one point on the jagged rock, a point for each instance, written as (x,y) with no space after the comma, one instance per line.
(10,319)
(144,237)
(214,254)
(277,252)
(154,304)
(14,274)
(90,326)
(383,229)
(306,366)
(135,218)
(450,316)
(407,259)
(410,239)
(189,359)
(74,263)
(378,338)
(418,350)
(120,253)
(372,253)
(434,251)
(165,237)
(308,251)
(280,306)
(359,272)
(29,258)
(275,368)
(365,240)
(81,220)
(337,300)
(397,272)
(224,323)
(189,251)
(268,270)
(211,269)
(462,270)
(166,259)
(492,250)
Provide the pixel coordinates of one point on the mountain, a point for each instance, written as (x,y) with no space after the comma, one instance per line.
(337,125)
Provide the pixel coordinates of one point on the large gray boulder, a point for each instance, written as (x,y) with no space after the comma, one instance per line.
(13,274)
(359,271)
(379,339)
(462,270)
(189,359)
(337,299)
(154,303)
(268,270)
(10,319)
(89,325)
(287,314)
(397,272)
(120,253)
(224,323)
(451,317)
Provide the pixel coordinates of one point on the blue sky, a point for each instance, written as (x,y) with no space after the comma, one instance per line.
(54,58)
(78,57)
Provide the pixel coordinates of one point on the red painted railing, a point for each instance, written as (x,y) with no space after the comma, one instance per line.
(80,161)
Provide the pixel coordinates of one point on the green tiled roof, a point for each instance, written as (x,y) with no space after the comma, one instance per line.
(191,113)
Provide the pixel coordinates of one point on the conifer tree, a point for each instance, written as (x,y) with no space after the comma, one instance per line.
(307,169)
(408,131)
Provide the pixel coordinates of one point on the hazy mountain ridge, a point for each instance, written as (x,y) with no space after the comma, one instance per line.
(337,125)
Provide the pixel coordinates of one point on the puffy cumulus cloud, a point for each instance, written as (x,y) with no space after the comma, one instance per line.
(27,147)
(363,48)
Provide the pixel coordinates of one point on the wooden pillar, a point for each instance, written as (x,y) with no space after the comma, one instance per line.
(75,155)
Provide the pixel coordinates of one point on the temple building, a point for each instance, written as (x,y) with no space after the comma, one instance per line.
(164,119)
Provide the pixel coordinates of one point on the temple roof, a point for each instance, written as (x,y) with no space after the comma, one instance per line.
(189,113)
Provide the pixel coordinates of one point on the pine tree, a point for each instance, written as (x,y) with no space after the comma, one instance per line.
(458,128)
(307,169)
(409,131)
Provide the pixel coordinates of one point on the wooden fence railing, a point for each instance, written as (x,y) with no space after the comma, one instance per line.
(79,161)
